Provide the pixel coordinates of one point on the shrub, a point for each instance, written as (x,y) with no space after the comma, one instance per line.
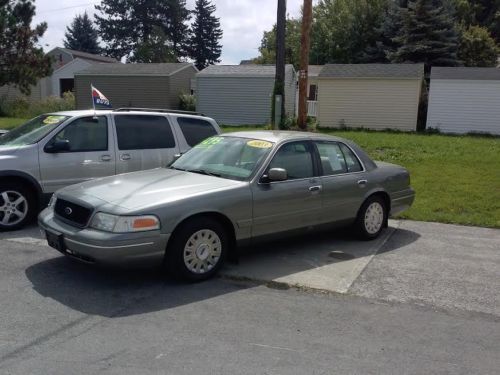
(187,102)
(21,107)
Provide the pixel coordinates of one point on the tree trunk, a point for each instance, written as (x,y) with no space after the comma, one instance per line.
(304,63)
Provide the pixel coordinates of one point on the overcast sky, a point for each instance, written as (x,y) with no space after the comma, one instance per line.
(243,22)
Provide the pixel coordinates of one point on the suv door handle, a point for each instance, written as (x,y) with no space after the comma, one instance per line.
(106,157)
(125,157)
(313,189)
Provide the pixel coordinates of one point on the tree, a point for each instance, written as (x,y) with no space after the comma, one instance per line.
(82,35)
(206,33)
(22,62)
(484,13)
(155,49)
(125,25)
(428,35)
(477,47)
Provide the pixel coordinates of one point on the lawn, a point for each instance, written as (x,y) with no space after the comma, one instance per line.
(10,122)
(457,178)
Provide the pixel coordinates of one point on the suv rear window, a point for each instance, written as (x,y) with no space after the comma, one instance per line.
(139,132)
(195,130)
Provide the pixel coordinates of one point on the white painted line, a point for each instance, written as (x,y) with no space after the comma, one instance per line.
(28,241)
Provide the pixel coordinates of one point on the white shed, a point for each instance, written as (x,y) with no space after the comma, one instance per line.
(241,94)
(464,100)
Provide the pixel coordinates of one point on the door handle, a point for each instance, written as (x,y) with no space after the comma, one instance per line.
(106,157)
(362,183)
(314,189)
(125,157)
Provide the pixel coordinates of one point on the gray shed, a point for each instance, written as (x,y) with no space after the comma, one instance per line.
(135,85)
(241,94)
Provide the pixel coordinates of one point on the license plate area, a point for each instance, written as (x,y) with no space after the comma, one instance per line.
(56,241)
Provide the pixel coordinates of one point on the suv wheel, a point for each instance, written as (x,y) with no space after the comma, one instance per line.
(17,206)
(198,250)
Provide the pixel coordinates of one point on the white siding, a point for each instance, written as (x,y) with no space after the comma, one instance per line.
(370,103)
(290,91)
(463,106)
(235,100)
(66,72)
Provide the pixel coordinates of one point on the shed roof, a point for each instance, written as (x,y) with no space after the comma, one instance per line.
(315,70)
(246,70)
(84,55)
(476,74)
(164,69)
(405,71)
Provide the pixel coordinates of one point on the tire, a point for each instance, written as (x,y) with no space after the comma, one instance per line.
(198,250)
(371,219)
(17,206)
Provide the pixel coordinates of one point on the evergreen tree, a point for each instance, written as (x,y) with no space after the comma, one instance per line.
(477,48)
(484,13)
(82,35)
(22,61)
(428,35)
(206,33)
(125,25)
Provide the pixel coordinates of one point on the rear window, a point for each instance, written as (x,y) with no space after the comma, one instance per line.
(138,132)
(195,130)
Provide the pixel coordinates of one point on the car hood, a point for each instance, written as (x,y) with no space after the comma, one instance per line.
(146,188)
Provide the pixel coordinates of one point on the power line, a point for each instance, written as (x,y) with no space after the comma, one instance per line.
(66,8)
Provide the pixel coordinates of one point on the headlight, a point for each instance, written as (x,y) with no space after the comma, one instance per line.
(124,224)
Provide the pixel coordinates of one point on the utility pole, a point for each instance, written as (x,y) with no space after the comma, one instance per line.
(279,85)
(305,42)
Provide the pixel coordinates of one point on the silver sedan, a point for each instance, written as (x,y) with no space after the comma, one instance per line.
(228,190)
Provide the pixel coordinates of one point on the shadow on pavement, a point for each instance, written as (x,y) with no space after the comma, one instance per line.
(113,293)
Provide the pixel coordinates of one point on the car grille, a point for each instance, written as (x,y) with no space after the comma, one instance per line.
(72,213)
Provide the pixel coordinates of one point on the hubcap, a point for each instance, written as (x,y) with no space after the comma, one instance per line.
(202,251)
(374,217)
(13,208)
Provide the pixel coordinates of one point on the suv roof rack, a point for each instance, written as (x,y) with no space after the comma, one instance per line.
(133,109)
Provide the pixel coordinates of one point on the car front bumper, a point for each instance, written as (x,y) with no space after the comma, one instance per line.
(142,249)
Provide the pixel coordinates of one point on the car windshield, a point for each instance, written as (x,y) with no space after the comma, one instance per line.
(32,131)
(227,157)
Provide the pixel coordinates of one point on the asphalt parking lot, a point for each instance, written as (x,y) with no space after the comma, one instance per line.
(424,298)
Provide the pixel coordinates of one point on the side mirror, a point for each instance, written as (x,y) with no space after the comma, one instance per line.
(61,145)
(277,174)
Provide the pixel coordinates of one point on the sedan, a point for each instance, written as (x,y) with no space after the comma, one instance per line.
(227,190)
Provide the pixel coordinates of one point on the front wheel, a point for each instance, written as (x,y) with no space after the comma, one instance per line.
(17,206)
(371,218)
(198,250)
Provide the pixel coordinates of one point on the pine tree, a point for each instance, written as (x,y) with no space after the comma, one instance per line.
(428,35)
(82,35)
(206,33)
(125,25)
(22,61)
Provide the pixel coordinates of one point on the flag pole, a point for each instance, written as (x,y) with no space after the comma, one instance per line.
(93,102)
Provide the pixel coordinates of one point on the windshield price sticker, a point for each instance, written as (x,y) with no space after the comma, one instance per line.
(210,142)
(260,144)
(50,120)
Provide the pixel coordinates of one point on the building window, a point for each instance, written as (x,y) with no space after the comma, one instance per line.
(313,93)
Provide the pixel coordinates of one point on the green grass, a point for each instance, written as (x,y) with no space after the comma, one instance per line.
(457,178)
(9,123)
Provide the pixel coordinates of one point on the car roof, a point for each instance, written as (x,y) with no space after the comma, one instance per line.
(91,112)
(278,136)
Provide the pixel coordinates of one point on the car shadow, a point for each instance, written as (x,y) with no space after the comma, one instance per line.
(116,293)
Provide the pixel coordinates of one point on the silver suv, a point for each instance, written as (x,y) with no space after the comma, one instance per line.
(64,148)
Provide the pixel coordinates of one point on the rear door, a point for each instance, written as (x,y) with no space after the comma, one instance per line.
(193,130)
(143,142)
(343,179)
(91,154)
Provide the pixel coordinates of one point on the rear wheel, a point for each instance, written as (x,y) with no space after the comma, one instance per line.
(17,206)
(198,249)
(371,218)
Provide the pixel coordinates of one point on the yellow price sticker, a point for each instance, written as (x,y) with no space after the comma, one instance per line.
(50,120)
(260,144)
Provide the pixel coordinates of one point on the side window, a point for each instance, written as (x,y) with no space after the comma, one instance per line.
(296,158)
(332,158)
(353,164)
(195,130)
(85,134)
(139,132)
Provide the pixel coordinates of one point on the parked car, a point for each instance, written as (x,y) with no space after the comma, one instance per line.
(60,149)
(227,190)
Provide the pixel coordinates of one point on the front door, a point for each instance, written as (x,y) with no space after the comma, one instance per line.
(291,204)
(90,154)
(143,142)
